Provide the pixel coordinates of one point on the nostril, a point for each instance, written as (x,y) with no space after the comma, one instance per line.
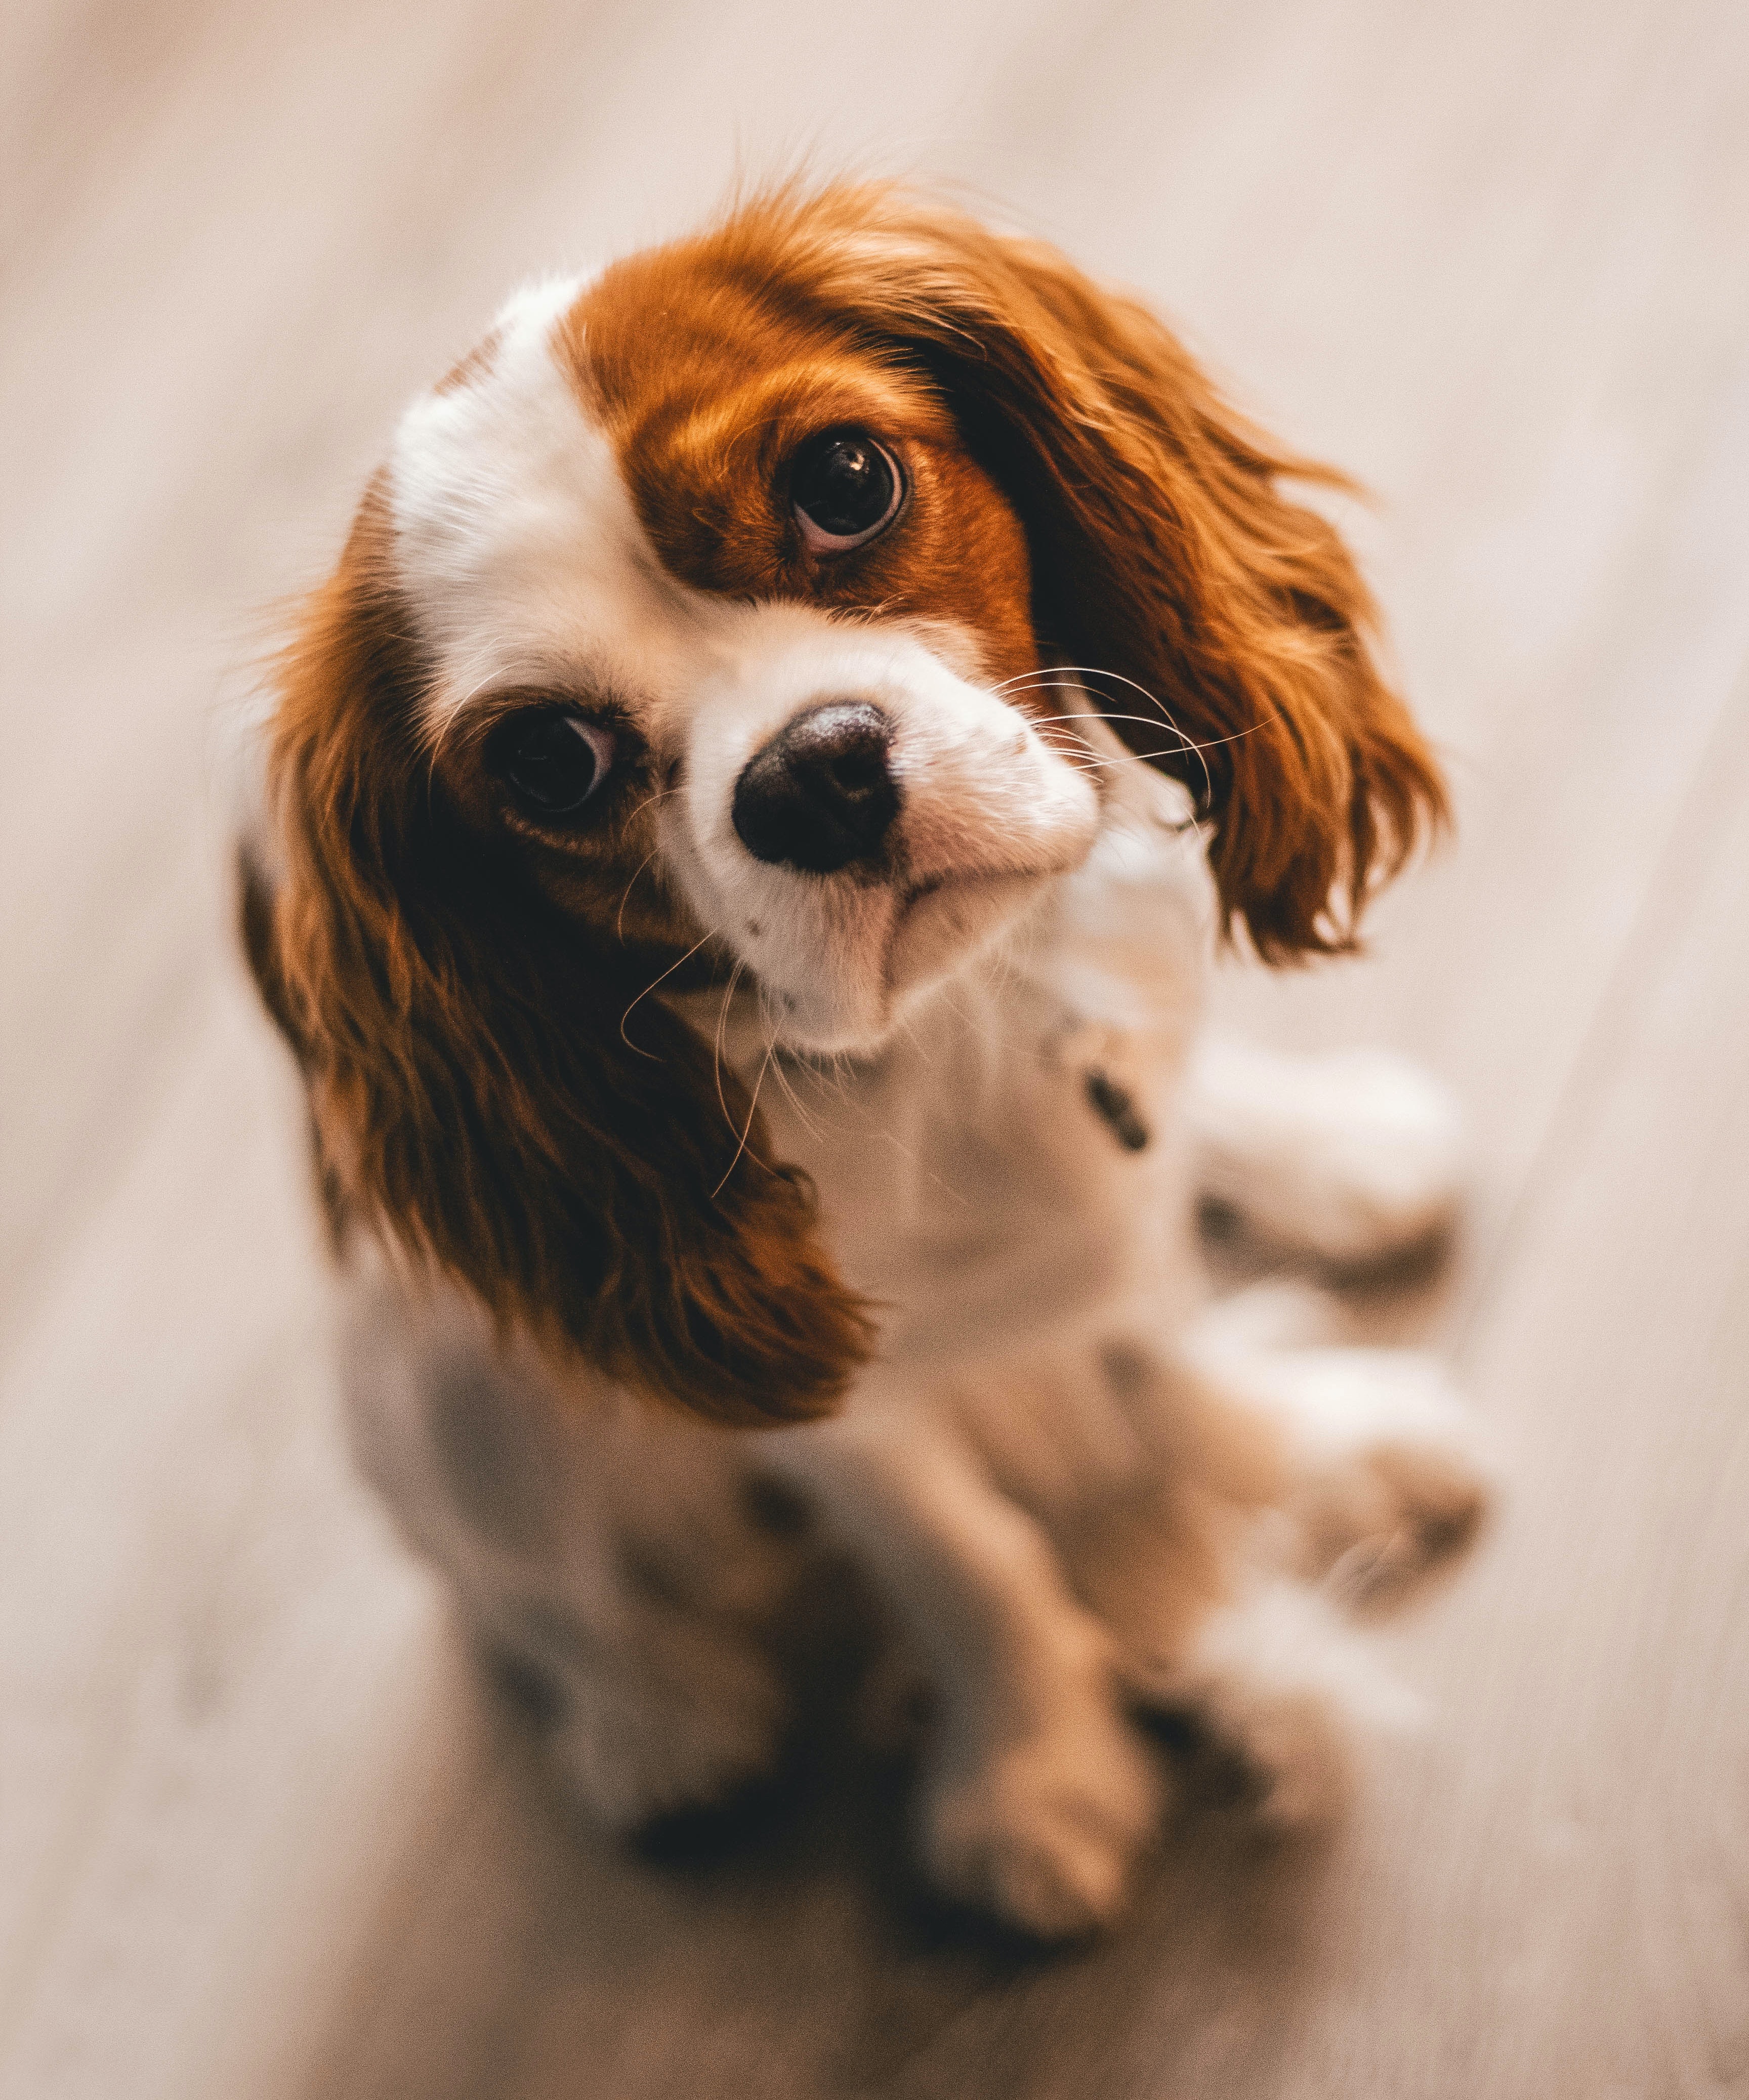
(820,794)
(859,772)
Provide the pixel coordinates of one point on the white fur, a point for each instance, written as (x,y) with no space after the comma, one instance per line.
(925,1059)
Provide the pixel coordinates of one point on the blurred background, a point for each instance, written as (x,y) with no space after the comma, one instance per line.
(260,1832)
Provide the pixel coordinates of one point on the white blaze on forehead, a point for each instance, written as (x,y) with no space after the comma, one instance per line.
(516,540)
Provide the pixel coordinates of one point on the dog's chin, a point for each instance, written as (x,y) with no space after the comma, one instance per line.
(943,925)
(934,932)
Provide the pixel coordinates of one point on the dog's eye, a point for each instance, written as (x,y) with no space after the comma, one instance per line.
(552,761)
(844,488)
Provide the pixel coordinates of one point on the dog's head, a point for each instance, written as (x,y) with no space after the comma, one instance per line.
(706,619)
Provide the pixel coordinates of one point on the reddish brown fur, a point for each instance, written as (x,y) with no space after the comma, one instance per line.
(706,410)
(470,1085)
(1162,550)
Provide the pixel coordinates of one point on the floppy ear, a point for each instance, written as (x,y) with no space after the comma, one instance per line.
(1165,554)
(471,1093)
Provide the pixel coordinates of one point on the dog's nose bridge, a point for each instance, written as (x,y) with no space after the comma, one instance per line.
(820,794)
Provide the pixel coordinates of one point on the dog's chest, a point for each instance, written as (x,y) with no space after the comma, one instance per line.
(971,1188)
(1012,1158)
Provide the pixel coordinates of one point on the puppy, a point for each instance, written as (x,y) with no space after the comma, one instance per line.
(746,823)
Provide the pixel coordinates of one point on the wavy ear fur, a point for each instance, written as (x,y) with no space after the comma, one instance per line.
(470,1088)
(1163,551)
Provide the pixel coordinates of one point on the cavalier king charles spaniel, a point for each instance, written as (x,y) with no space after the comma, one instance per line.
(743,829)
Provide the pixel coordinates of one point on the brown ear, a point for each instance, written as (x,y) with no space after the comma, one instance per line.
(471,1092)
(1163,552)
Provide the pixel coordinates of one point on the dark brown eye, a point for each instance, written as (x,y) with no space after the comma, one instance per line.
(844,488)
(552,761)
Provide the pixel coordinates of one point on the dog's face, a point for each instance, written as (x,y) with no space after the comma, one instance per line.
(729,640)
(704,621)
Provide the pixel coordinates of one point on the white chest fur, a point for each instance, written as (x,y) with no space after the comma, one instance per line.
(969,1183)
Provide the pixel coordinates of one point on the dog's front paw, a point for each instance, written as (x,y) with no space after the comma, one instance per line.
(1043,1833)
(1394,1476)
(1282,1687)
(1355,1156)
(1426,1507)
(1297,1755)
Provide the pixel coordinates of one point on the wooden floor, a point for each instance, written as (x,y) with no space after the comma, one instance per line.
(260,1832)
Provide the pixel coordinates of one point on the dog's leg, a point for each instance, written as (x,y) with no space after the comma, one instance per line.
(604,1560)
(1286,1483)
(1037,1795)
(1352,1156)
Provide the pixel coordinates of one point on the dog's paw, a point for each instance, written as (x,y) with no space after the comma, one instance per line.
(1425,1510)
(1298,1755)
(1383,1172)
(1355,1156)
(1273,1314)
(1392,1476)
(1285,1689)
(1043,1833)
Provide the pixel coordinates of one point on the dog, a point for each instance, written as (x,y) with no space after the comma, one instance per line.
(744,832)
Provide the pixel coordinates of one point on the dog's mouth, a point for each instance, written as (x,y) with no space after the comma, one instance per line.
(945,918)
(848,1004)
(931,930)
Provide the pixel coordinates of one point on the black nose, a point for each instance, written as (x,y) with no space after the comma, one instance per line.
(818,796)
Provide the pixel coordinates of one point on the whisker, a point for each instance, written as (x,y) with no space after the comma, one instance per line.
(1049,675)
(438,732)
(619,924)
(661,795)
(716,1055)
(1060,680)
(459,717)
(645,993)
(627,821)
(1208,743)
(806,1120)
(1053,671)
(753,1110)
(1169,751)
